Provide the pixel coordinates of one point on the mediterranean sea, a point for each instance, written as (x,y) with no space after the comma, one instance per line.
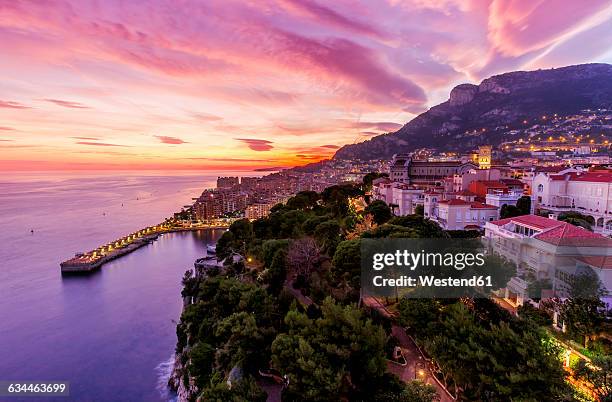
(112,333)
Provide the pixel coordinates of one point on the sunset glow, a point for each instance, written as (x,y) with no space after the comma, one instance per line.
(266,83)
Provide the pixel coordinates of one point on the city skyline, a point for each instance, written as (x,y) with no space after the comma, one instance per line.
(263,84)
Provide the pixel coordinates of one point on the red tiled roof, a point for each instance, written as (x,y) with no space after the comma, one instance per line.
(595,177)
(472,204)
(480,205)
(567,234)
(557,232)
(550,169)
(534,221)
(464,193)
(598,177)
(512,182)
(491,183)
(455,201)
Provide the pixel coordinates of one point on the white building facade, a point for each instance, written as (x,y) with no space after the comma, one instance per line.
(589,193)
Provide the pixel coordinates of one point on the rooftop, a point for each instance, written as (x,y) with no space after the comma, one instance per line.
(558,233)
(471,204)
(593,177)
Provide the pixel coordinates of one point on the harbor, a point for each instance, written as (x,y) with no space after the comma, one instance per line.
(84,262)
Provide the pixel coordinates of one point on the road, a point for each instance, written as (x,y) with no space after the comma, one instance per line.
(411,353)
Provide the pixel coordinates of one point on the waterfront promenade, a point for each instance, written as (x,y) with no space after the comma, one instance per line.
(91,260)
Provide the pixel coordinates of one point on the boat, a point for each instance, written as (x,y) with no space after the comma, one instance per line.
(211,249)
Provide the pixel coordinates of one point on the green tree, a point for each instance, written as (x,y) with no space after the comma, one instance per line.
(578,219)
(380,211)
(419,210)
(598,373)
(413,391)
(509,360)
(423,228)
(583,312)
(347,262)
(420,315)
(277,273)
(201,362)
(336,198)
(524,205)
(327,235)
(270,248)
(338,355)
(243,342)
(370,177)
(509,211)
(243,391)
(303,200)
(236,239)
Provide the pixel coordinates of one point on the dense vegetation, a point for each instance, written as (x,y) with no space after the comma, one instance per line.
(291,308)
(486,354)
(245,318)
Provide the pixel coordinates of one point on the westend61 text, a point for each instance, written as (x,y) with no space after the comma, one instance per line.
(432,281)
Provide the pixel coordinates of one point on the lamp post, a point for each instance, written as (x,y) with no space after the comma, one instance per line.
(419,370)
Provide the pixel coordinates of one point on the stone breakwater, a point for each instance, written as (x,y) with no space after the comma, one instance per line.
(91,260)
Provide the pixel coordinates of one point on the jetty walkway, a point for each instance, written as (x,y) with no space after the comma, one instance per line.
(91,260)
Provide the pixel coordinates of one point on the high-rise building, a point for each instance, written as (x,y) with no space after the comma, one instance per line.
(227,182)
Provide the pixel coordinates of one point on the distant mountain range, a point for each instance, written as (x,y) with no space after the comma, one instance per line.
(497,104)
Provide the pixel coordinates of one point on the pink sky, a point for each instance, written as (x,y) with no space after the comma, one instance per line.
(252,83)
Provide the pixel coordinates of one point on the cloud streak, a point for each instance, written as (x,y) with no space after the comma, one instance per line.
(12,105)
(164,139)
(256,144)
(100,144)
(275,76)
(68,104)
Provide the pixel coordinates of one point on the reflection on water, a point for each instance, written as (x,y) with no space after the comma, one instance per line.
(111,333)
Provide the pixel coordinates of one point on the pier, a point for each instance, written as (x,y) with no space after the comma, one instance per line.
(94,259)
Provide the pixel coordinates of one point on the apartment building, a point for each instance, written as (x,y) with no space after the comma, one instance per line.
(549,250)
(586,192)
(401,197)
(458,214)
(407,170)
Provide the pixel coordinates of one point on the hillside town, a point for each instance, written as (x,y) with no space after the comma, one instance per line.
(546,209)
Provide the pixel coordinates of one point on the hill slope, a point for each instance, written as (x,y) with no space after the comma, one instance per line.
(500,100)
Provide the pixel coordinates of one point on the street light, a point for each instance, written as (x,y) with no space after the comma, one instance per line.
(419,370)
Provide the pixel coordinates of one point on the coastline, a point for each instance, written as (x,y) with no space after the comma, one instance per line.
(94,259)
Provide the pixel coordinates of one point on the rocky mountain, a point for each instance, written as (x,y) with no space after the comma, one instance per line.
(496,105)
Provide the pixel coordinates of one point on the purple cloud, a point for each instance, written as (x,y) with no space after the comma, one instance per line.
(378,125)
(255,144)
(13,105)
(68,104)
(100,144)
(86,138)
(170,140)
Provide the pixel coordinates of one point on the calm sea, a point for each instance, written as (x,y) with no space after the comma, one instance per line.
(111,334)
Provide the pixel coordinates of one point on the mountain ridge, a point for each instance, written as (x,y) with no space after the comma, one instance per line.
(499,100)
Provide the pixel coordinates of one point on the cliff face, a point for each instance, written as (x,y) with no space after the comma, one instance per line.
(497,101)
